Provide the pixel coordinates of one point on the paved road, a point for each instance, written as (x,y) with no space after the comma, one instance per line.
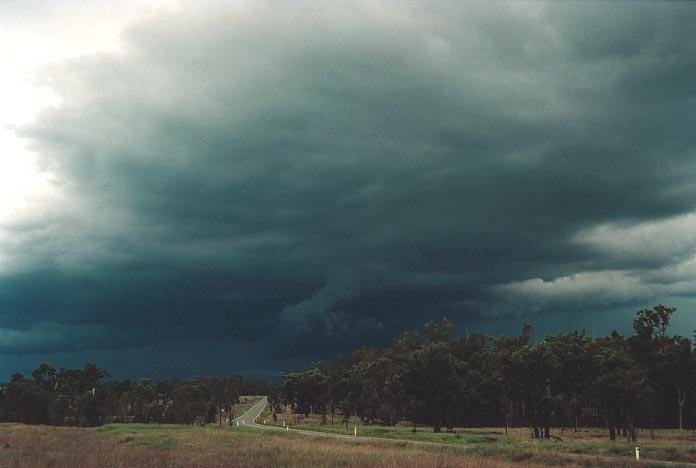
(249,418)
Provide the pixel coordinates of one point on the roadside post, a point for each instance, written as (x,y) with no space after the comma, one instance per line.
(355,431)
(637,453)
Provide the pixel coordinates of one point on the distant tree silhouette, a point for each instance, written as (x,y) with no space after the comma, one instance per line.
(569,379)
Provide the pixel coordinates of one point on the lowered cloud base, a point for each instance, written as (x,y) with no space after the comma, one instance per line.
(329,174)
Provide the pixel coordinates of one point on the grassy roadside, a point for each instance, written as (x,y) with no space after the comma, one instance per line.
(152,445)
(136,445)
(668,445)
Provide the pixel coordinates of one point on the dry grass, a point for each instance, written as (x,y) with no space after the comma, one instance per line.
(590,445)
(133,445)
(126,445)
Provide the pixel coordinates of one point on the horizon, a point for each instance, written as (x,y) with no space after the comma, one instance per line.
(276,375)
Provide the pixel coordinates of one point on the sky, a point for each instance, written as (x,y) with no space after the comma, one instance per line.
(202,188)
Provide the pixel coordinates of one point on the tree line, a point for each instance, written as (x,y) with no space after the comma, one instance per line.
(84,397)
(567,380)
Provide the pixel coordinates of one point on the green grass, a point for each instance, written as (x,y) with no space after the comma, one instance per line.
(401,433)
(151,436)
(518,446)
(154,445)
(423,434)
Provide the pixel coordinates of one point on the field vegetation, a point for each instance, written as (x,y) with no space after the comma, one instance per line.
(588,445)
(170,445)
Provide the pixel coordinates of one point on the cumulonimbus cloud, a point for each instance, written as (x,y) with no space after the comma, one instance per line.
(229,159)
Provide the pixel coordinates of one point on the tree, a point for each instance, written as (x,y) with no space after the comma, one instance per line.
(669,360)
(27,401)
(678,369)
(532,369)
(573,377)
(306,391)
(621,385)
(189,403)
(653,323)
(432,381)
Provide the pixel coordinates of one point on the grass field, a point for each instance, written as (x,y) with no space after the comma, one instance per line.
(127,445)
(134,445)
(517,445)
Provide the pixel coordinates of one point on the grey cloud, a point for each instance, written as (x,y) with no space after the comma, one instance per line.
(320,307)
(653,242)
(444,158)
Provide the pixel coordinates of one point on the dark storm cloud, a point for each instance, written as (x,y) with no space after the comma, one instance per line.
(312,177)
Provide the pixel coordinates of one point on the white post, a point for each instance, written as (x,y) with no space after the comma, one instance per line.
(355,431)
(287,428)
(637,453)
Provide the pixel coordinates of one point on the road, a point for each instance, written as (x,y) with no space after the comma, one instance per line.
(249,418)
